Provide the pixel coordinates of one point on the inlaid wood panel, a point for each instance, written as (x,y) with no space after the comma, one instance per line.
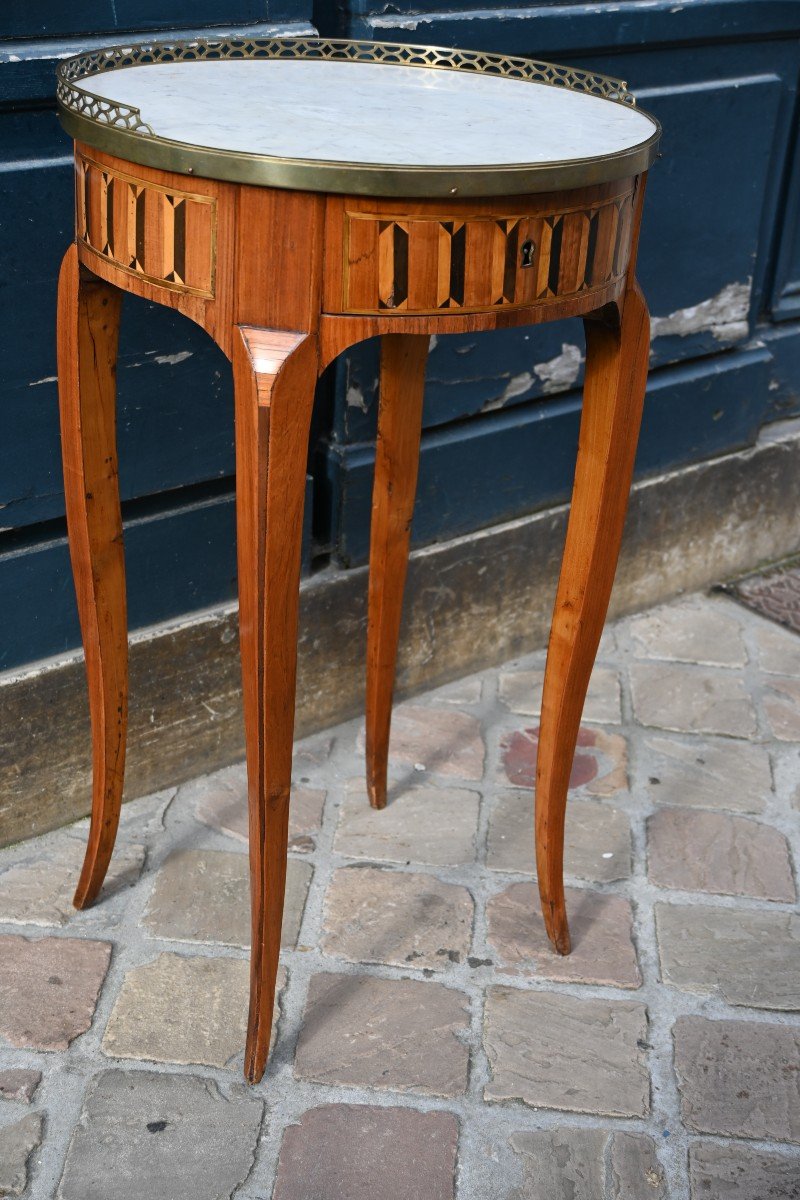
(438,263)
(162,235)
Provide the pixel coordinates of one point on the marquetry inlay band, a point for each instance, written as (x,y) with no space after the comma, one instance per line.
(441,263)
(162,235)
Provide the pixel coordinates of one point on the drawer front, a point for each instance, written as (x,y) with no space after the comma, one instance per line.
(164,236)
(439,262)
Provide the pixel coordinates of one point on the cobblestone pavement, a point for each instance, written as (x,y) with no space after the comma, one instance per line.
(429,1045)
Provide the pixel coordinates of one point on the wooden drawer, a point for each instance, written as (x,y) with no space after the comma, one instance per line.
(516,254)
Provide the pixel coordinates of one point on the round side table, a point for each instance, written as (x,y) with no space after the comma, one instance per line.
(294,197)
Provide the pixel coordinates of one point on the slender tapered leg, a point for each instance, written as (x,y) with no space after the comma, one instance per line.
(274,377)
(88,326)
(616,375)
(403,358)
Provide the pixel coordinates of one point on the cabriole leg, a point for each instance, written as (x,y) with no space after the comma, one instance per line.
(88,326)
(402,382)
(616,375)
(274,378)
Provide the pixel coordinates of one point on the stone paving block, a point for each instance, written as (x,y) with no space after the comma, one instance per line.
(786,763)
(49,988)
(429,825)
(138,819)
(739,1078)
(521,691)
(587,1164)
(778,650)
(736,1172)
(402,1034)
(600,765)
(355,1152)
(609,646)
(705,632)
(601,929)
(636,1173)
(148,1136)
(310,753)
(16,1083)
(597,840)
(745,956)
(142,816)
(729,774)
(204,896)
(556,1051)
(222,805)
(39,892)
(461,691)
(719,853)
(782,706)
(444,741)
(17,1144)
(183,1010)
(690,699)
(612,751)
(374,915)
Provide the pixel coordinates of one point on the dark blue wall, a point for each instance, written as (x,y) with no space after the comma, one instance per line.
(721,231)
(175,398)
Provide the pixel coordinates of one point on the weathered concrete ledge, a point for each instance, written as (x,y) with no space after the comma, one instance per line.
(471,603)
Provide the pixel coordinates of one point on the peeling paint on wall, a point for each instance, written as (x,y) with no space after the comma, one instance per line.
(172,359)
(724,315)
(516,385)
(556,374)
(355,398)
(408,25)
(559,374)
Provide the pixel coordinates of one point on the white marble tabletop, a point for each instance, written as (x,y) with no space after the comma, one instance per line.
(368,113)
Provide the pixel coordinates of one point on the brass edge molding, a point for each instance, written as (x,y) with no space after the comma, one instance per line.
(357,179)
(119,130)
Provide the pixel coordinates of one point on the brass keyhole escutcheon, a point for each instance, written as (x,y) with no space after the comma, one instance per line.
(526,254)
